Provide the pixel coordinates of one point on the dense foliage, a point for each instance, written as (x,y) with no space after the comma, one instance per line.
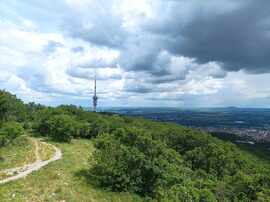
(172,163)
(11,108)
(159,161)
(12,111)
(9,132)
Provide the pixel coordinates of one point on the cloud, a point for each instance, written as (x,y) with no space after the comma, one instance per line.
(100,73)
(235,33)
(158,27)
(103,26)
(78,49)
(52,46)
(144,52)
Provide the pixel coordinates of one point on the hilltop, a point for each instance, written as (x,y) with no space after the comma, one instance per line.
(108,157)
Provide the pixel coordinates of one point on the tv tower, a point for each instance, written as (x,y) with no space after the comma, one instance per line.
(95,98)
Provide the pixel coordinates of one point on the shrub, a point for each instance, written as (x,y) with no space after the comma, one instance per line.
(11,108)
(83,129)
(61,127)
(9,132)
(170,163)
(181,193)
(217,159)
(131,160)
(99,126)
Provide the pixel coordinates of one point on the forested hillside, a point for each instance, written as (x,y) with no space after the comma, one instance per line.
(157,161)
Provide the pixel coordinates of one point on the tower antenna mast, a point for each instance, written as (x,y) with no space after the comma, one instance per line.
(95,98)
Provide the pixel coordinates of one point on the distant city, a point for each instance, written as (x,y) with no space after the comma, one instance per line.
(251,124)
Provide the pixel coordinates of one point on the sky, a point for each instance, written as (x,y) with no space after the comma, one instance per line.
(150,53)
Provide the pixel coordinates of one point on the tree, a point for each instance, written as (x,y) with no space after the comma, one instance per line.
(61,127)
(9,132)
(11,108)
(131,160)
(83,129)
(4,106)
(99,126)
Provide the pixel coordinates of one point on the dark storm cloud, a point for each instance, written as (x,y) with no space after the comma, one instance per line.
(238,37)
(235,34)
(145,61)
(144,52)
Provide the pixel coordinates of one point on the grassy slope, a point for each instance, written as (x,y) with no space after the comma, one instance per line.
(17,154)
(63,180)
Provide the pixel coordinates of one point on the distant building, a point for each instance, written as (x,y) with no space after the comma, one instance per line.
(95,98)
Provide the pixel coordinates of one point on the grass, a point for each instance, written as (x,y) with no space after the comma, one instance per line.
(19,153)
(46,151)
(63,180)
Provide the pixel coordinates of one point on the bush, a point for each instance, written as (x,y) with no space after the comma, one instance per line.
(181,193)
(11,108)
(99,126)
(170,163)
(61,127)
(9,132)
(83,129)
(217,159)
(130,160)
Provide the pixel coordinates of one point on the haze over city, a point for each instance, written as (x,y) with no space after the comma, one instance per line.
(145,52)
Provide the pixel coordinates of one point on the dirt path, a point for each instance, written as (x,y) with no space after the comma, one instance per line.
(21,172)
